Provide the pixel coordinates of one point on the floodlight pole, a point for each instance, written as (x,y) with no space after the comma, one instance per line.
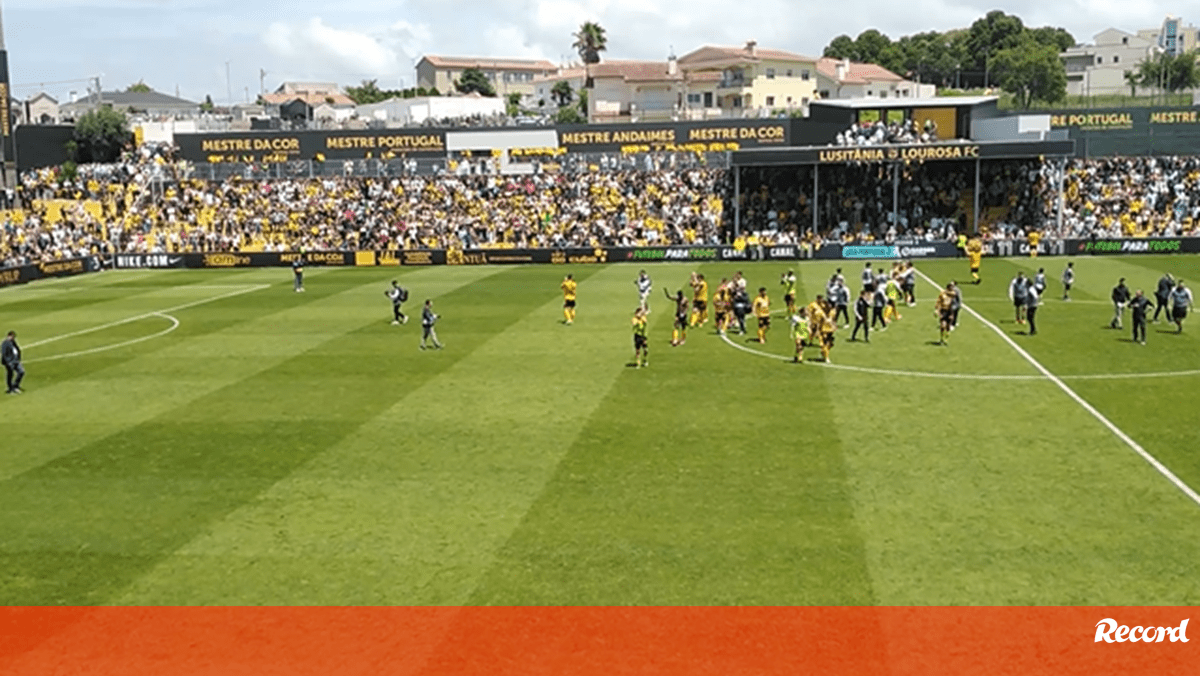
(1062,183)
(975,224)
(896,196)
(737,201)
(816,200)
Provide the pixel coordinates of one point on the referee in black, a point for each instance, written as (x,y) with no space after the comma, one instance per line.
(10,354)
(862,308)
(1139,307)
(298,274)
(1120,298)
(1162,295)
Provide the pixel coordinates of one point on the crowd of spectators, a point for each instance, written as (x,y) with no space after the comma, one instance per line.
(621,205)
(881,133)
(1132,197)
(150,202)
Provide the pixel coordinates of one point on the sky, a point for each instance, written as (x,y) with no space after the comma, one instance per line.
(220,47)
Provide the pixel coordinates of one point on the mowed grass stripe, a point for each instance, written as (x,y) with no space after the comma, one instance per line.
(1156,413)
(1022,498)
(171,474)
(73,402)
(711,478)
(410,507)
(96,299)
(46,288)
(70,403)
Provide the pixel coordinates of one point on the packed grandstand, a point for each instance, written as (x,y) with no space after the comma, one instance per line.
(151,202)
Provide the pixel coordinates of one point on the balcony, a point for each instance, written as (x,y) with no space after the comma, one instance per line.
(733,83)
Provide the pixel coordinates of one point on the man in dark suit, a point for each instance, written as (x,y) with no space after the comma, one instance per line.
(10,354)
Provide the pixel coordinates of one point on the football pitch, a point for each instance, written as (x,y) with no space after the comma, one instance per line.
(211,437)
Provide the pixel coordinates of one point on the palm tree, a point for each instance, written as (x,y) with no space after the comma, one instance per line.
(561,93)
(1133,79)
(589,42)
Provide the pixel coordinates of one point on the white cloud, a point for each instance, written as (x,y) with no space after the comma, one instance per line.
(383,38)
(317,45)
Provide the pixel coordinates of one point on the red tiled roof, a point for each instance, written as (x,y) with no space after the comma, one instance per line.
(485,63)
(635,71)
(566,74)
(709,53)
(857,73)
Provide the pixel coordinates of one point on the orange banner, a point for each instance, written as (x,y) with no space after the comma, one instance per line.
(556,641)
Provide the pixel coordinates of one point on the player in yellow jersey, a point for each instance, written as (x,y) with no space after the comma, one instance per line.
(762,310)
(722,302)
(828,328)
(788,281)
(679,332)
(814,312)
(699,300)
(895,296)
(1034,237)
(975,255)
(568,288)
(799,326)
(943,308)
(641,346)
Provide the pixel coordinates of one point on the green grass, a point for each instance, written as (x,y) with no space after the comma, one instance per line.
(283,448)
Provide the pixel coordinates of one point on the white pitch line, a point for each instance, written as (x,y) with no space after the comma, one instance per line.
(104,348)
(1056,300)
(885,372)
(1137,448)
(120,322)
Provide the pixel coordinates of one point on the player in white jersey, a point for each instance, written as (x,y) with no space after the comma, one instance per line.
(644,285)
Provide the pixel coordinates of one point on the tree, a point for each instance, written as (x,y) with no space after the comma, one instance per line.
(1170,73)
(473,80)
(1031,72)
(583,103)
(367,92)
(589,42)
(988,36)
(513,105)
(207,106)
(100,135)
(1133,79)
(569,115)
(841,47)
(1058,38)
(139,87)
(871,46)
(561,93)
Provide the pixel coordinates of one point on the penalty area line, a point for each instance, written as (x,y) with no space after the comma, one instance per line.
(155,313)
(1116,431)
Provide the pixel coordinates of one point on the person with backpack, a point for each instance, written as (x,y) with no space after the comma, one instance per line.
(398,295)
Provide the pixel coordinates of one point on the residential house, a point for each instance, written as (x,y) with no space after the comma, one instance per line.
(508,76)
(1173,37)
(312,93)
(635,91)
(843,79)
(1099,68)
(543,87)
(151,104)
(39,109)
(750,81)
